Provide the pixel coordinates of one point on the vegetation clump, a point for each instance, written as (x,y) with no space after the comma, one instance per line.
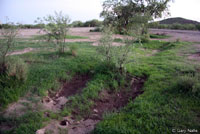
(6,43)
(56,29)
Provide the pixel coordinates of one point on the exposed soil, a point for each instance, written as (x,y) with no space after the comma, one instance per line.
(26,50)
(55,101)
(196,55)
(109,101)
(74,86)
(183,35)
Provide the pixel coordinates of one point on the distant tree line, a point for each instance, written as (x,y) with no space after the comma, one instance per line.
(23,26)
(91,23)
(175,26)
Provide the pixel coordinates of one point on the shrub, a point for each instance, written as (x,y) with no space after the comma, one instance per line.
(145,38)
(73,50)
(56,28)
(93,23)
(198,27)
(97,29)
(8,34)
(17,68)
(187,84)
(117,55)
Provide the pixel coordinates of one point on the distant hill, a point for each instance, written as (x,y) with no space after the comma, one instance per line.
(178,20)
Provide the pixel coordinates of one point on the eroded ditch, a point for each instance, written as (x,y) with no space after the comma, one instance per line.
(110,101)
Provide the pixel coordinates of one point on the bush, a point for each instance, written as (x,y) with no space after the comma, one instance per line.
(17,68)
(97,29)
(145,38)
(56,29)
(198,27)
(77,24)
(187,84)
(73,50)
(8,35)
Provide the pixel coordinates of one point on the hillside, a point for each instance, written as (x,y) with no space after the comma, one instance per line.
(178,20)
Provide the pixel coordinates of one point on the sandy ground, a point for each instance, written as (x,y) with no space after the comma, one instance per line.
(183,35)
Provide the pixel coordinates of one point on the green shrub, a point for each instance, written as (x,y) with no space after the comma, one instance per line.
(198,27)
(187,84)
(97,29)
(73,50)
(17,68)
(145,38)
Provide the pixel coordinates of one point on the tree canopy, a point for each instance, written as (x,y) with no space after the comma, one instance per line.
(122,13)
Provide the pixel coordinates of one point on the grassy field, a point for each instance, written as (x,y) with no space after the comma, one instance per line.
(171,90)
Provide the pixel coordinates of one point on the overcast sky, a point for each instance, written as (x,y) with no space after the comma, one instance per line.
(26,11)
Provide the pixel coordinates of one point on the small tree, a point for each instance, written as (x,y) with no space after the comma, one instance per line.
(105,47)
(119,55)
(56,28)
(8,36)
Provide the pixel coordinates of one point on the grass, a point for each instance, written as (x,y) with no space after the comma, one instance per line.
(162,107)
(67,37)
(75,37)
(118,40)
(159,36)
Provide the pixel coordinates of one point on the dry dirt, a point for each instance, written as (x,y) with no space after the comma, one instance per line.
(196,55)
(183,35)
(26,50)
(85,32)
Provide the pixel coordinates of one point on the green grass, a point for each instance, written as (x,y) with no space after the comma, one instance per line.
(67,37)
(164,105)
(118,40)
(159,36)
(26,124)
(75,37)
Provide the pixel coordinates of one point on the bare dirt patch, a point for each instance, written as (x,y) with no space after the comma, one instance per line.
(112,101)
(109,101)
(26,50)
(74,86)
(196,55)
(183,35)
(55,101)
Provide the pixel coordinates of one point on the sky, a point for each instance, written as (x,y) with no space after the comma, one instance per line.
(27,11)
